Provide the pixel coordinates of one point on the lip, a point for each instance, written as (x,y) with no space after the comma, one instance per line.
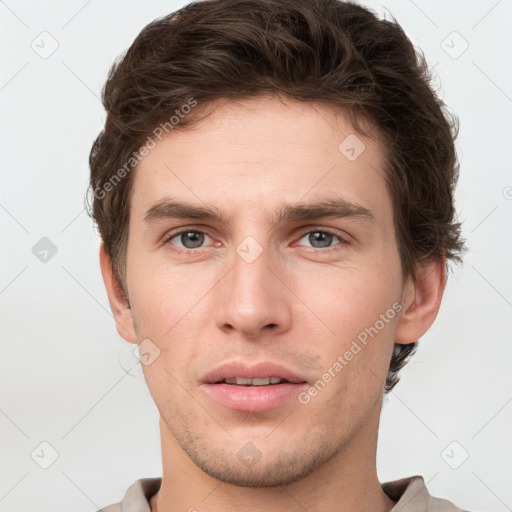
(252,398)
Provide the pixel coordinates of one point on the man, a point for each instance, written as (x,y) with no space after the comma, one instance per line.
(274,192)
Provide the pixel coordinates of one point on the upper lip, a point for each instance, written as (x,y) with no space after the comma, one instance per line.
(250,371)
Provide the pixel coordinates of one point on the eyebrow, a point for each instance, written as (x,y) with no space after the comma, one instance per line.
(331,208)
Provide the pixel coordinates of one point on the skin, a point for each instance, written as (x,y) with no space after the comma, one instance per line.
(211,306)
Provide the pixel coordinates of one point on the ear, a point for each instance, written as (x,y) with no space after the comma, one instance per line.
(118,302)
(421,301)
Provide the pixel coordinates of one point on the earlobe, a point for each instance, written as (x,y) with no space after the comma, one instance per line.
(421,302)
(117,300)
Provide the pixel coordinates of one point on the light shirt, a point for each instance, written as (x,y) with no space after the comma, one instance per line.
(411,495)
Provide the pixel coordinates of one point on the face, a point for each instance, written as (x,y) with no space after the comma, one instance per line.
(280,261)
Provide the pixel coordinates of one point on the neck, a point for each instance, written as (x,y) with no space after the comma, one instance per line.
(347,482)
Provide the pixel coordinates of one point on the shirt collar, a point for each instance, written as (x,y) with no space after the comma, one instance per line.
(407,492)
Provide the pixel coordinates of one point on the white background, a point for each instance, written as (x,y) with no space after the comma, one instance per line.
(62,376)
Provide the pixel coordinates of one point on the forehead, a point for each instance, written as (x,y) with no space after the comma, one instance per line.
(256,155)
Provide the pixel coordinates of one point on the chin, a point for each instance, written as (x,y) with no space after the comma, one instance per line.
(248,467)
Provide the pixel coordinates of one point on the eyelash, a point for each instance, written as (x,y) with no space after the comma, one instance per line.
(343,241)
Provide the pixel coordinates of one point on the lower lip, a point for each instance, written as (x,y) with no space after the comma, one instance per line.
(253,398)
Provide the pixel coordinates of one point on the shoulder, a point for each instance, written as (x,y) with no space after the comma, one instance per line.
(411,495)
(116,507)
(137,496)
(441,505)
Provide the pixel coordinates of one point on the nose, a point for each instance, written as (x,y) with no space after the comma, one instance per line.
(254,300)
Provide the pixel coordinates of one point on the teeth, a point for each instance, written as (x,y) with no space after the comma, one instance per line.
(239,381)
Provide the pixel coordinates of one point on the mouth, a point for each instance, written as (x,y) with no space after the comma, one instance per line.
(265,381)
(254,388)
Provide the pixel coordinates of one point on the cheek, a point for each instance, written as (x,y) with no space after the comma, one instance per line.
(357,312)
(159,292)
(347,300)
(170,307)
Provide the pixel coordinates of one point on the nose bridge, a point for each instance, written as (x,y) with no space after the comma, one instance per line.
(251,280)
(254,298)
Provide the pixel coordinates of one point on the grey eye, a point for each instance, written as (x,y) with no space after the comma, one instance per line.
(189,239)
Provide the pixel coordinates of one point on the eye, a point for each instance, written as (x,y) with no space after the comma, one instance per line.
(322,239)
(189,239)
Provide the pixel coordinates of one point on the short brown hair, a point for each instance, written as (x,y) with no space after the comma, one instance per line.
(329,51)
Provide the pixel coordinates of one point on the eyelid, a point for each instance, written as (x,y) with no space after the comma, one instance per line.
(331,231)
(179,231)
(345,240)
